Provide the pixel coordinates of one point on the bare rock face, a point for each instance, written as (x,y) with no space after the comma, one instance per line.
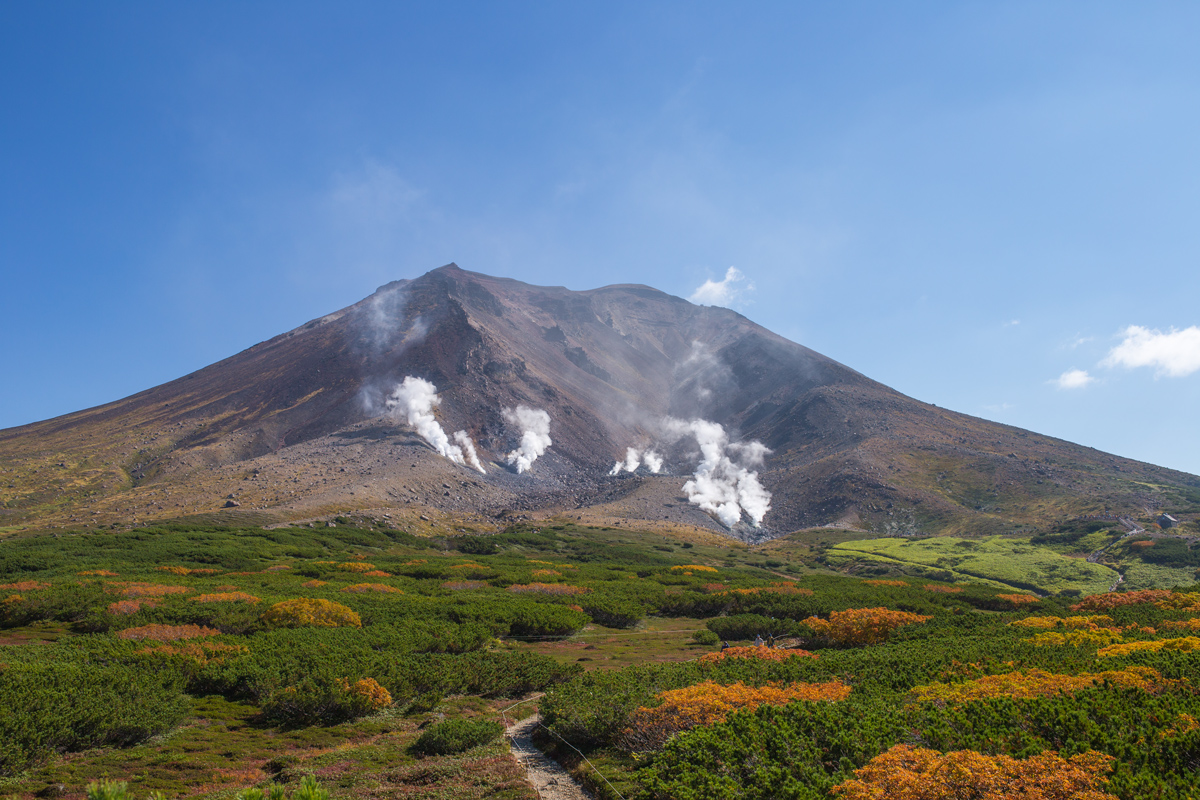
(299,427)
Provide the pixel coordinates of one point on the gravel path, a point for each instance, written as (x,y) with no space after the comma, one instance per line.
(549,779)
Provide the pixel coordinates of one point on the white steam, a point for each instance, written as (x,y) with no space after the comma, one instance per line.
(535,435)
(720,486)
(634,459)
(415,398)
(468,448)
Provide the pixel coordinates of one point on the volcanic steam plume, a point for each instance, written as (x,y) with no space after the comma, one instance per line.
(535,435)
(719,486)
(634,459)
(415,398)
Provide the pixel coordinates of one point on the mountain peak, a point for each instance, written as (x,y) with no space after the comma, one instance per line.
(624,374)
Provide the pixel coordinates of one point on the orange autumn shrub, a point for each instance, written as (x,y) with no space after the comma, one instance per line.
(934,587)
(1183,724)
(226,597)
(414,562)
(25,586)
(278,568)
(1036,622)
(760,653)
(535,561)
(709,703)
(368,692)
(1104,602)
(775,588)
(227,587)
(885,582)
(103,573)
(915,773)
(1181,601)
(1096,638)
(546,573)
(1192,624)
(150,589)
(377,573)
(693,568)
(361,588)
(460,585)
(1184,645)
(187,571)
(305,611)
(546,588)
(127,606)
(467,565)
(313,584)
(1019,599)
(1037,683)
(355,566)
(861,626)
(713,588)
(167,633)
(200,653)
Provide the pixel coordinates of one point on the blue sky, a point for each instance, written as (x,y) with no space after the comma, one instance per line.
(989,206)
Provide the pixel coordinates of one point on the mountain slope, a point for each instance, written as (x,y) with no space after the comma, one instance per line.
(298,427)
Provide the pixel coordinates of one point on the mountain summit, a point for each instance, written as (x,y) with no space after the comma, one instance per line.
(618,403)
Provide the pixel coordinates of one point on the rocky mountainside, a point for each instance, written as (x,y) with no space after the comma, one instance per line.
(750,433)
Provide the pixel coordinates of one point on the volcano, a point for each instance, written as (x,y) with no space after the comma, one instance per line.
(299,429)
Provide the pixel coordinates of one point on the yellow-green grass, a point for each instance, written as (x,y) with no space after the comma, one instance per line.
(655,639)
(994,560)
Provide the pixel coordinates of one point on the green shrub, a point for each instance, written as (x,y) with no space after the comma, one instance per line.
(475,545)
(317,700)
(66,707)
(309,789)
(706,637)
(456,735)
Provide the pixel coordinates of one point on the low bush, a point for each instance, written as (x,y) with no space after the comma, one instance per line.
(456,736)
(305,611)
(325,700)
(64,707)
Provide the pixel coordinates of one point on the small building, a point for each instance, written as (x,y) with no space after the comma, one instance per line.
(1167,521)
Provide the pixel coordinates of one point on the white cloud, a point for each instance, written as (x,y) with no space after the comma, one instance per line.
(1073,379)
(1176,353)
(723,292)
(1012,323)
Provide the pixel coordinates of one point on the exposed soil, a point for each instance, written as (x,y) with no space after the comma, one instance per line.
(548,778)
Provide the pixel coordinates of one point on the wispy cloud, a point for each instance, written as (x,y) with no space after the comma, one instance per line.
(1175,353)
(1012,323)
(998,408)
(723,292)
(1073,379)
